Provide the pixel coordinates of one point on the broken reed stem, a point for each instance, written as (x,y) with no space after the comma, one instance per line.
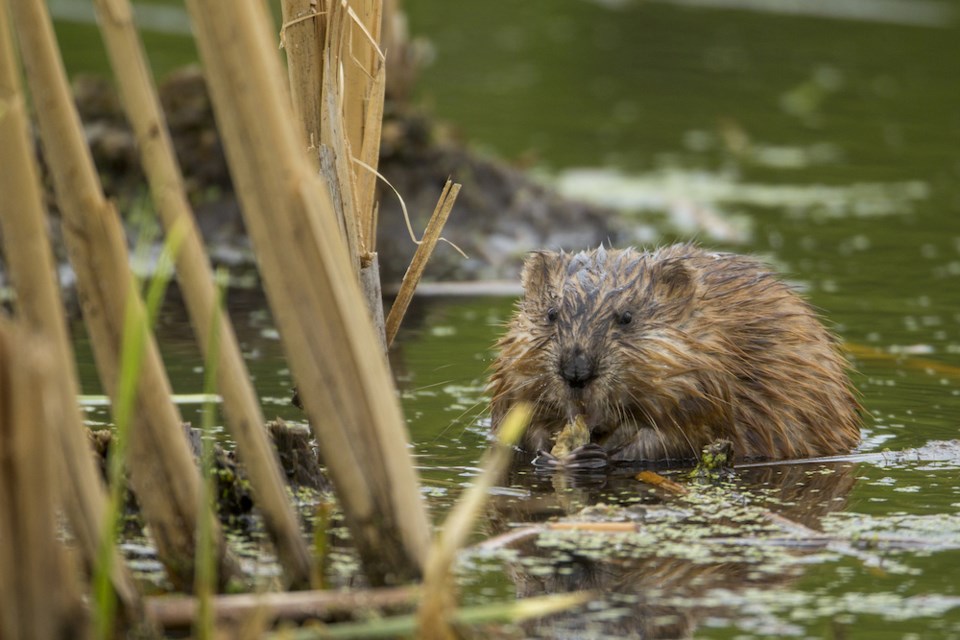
(39,589)
(161,468)
(354,83)
(332,127)
(302,38)
(363,95)
(373,295)
(244,417)
(313,291)
(359,57)
(31,266)
(352,79)
(419,262)
(336,75)
(370,156)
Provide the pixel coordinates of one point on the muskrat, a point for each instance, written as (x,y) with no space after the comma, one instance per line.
(664,352)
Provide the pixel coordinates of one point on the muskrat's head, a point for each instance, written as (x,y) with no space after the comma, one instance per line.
(609,333)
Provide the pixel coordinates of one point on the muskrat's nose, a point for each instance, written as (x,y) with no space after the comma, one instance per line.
(577,369)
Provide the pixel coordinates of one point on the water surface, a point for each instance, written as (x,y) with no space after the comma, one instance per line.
(827,143)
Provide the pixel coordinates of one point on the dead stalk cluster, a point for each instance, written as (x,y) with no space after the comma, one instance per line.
(303,150)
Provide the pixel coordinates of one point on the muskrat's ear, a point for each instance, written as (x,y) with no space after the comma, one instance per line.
(539,273)
(675,279)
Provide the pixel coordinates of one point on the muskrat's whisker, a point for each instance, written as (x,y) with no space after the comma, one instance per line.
(693,448)
(661,438)
(480,405)
(651,423)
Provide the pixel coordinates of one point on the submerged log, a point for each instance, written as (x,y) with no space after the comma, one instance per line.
(293,446)
(298,455)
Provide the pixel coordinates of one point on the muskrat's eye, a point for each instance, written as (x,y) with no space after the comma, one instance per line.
(552,314)
(625,318)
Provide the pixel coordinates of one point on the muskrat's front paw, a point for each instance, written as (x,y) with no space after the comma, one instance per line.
(588,456)
(546,460)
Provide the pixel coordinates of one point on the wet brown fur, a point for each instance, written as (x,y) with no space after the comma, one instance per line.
(684,346)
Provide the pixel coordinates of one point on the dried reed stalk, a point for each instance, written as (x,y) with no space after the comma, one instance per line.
(332,88)
(161,468)
(333,127)
(39,590)
(364,80)
(354,82)
(372,293)
(361,58)
(419,262)
(244,416)
(177,612)
(31,266)
(351,78)
(438,602)
(312,288)
(302,38)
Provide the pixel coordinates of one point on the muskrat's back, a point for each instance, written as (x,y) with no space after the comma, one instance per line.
(667,351)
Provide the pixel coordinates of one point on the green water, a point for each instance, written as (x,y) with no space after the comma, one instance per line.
(840,144)
(830,146)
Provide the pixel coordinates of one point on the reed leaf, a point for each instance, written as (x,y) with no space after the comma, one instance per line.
(135,330)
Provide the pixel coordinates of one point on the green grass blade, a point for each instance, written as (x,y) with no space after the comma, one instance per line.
(135,331)
(406,625)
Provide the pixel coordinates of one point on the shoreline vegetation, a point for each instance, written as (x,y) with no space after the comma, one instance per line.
(305,171)
(500,213)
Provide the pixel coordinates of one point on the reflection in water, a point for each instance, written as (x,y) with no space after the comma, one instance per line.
(685,551)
